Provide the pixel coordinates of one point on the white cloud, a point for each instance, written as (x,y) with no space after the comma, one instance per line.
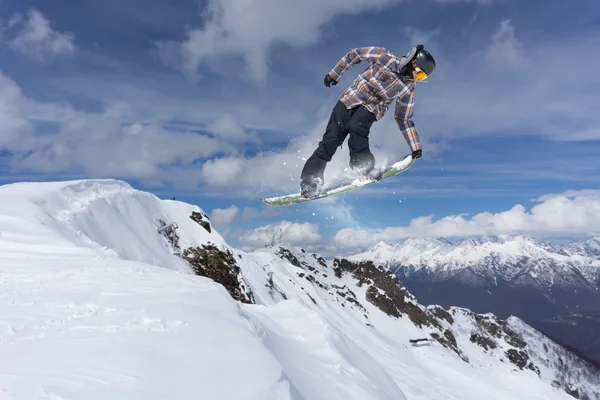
(418,36)
(570,194)
(223,172)
(283,232)
(509,87)
(222,218)
(13,125)
(36,38)
(452,105)
(249,29)
(569,213)
(104,146)
(505,50)
(97,144)
(227,127)
(483,100)
(278,171)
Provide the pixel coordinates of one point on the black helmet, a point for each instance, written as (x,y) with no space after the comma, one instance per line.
(423,60)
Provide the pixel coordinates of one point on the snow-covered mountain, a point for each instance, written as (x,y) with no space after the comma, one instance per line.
(589,248)
(516,259)
(110,292)
(506,275)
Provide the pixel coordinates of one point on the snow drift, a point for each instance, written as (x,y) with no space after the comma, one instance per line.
(97,304)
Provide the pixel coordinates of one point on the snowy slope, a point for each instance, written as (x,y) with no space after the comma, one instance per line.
(557,364)
(589,248)
(96,305)
(501,257)
(105,215)
(507,275)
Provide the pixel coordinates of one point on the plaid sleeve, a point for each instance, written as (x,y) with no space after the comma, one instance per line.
(403,115)
(355,56)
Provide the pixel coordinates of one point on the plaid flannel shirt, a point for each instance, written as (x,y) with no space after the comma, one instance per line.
(377,86)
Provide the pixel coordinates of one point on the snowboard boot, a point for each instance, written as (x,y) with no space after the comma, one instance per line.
(366,170)
(371,173)
(363,164)
(308,188)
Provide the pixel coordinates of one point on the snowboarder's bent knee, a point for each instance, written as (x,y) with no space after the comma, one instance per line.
(363,103)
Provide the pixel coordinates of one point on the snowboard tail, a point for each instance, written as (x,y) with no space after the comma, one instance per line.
(343,187)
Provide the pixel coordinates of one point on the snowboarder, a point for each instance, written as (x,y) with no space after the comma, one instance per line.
(364,102)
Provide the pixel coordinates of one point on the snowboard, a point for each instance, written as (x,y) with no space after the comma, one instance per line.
(342,187)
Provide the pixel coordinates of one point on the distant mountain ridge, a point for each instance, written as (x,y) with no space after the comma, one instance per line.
(508,258)
(506,275)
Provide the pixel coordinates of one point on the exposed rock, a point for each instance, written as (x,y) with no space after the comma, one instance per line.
(448,340)
(289,256)
(285,253)
(312,279)
(572,391)
(513,338)
(202,219)
(220,266)
(483,341)
(518,357)
(387,293)
(320,260)
(383,302)
(500,329)
(440,313)
(489,325)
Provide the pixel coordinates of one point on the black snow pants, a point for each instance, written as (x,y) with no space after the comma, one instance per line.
(357,122)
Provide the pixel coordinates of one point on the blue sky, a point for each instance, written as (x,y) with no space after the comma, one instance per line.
(217,103)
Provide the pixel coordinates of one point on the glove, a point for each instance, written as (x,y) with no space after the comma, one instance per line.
(417,154)
(329,81)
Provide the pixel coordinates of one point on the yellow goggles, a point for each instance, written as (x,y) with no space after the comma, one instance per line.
(420,74)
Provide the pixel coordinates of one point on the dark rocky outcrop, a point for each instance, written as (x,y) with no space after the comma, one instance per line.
(320,260)
(384,291)
(483,341)
(288,255)
(518,357)
(202,219)
(441,314)
(388,294)
(500,329)
(220,266)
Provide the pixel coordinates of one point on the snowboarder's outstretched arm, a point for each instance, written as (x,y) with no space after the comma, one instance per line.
(403,115)
(355,56)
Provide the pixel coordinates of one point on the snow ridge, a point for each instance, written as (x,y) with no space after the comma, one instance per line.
(97,306)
